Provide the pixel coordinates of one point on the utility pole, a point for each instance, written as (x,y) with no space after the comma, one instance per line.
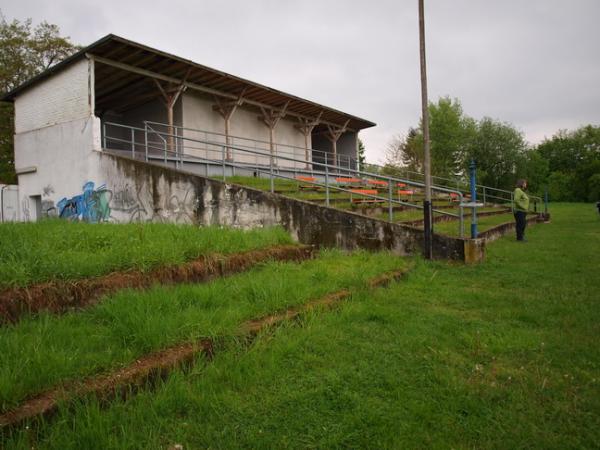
(428,251)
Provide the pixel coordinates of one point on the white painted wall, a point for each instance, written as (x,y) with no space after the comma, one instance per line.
(61,156)
(198,114)
(62,97)
(56,135)
(9,203)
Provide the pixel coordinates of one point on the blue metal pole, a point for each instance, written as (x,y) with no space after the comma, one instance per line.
(473,168)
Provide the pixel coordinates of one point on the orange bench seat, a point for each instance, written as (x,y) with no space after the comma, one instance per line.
(307,180)
(348,180)
(377,182)
(365,199)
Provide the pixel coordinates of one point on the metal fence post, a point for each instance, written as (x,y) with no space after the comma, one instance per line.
(473,168)
(223,160)
(181,150)
(390,208)
(461,217)
(146,141)
(133,143)
(176,150)
(271,175)
(326,185)
(484,195)
(104,135)
(165,145)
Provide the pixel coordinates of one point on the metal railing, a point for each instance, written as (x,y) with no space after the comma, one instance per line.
(153,145)
(239,142)
(486,194)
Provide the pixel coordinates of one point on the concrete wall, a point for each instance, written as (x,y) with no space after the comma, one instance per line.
(56,134)
(136,191)
(346,145)
(61,156)
(61,98)
(9,203)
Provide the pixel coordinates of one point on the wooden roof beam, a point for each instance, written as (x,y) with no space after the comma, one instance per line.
(195,86)
(333,133)
(227,108)
(271,116)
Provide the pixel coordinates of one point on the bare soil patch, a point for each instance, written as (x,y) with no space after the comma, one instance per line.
(62,296)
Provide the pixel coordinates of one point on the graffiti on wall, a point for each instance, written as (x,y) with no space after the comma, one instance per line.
(25,209)
(92,205)
(128,205)
(47,191)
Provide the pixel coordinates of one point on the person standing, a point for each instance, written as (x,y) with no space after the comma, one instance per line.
(521,206)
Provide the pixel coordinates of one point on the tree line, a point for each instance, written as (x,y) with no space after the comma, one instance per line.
(567,164)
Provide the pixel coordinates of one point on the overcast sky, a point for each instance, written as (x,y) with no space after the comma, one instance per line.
(533,63)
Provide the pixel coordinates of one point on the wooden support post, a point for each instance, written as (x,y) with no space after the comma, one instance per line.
(170,96)
(306,127)
(226,110)
(333,135)
(271,117)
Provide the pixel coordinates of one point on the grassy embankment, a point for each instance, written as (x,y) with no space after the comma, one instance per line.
(40,351)
(57,249)
(500,355)
(341,200)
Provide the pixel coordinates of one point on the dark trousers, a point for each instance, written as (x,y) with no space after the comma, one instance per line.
(521,219)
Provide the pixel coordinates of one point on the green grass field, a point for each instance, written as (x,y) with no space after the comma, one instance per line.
(56,249)
(41,351)
(503,354)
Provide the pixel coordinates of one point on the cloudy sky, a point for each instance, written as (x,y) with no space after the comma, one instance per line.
(534,63)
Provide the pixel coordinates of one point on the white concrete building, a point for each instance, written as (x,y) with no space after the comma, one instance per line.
(122,96)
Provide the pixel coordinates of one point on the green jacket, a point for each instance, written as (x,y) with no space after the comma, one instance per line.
(521,200)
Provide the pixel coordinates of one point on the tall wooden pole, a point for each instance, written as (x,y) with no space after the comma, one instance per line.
(428,250)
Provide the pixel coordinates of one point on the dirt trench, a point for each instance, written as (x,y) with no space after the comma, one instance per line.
(152,367)
(62,296)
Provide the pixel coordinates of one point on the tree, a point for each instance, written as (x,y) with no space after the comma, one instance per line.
(535,169)
(24,53)
(574,164)
(451,133)
(362,159)
(404,154)
(499,151)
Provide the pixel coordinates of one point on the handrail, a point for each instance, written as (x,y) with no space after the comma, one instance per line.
(315,183)
(322,153)
(485,191)
(328,168)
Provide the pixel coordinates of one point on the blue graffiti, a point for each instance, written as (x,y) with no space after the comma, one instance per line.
(92,205)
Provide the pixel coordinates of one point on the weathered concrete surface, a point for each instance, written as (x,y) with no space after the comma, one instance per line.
(503,229)
(474,250)
(146,192)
